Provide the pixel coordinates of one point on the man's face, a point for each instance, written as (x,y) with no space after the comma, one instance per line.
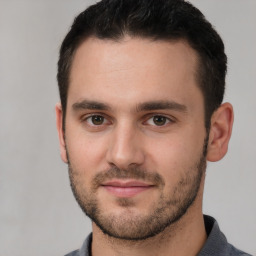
(135,134)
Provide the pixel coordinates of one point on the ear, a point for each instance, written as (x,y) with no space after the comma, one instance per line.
(220,132)
(59,118)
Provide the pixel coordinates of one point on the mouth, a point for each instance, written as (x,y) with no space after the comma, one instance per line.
(126,188)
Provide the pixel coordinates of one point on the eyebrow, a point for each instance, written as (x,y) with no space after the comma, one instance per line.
(87,104)
(146,106)
(161,105)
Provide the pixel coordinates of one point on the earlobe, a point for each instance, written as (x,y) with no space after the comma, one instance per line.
(59,113)
(220,132)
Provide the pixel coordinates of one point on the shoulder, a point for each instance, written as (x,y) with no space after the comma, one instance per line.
(216,243)
(74,253)
(85,250)
(236,252)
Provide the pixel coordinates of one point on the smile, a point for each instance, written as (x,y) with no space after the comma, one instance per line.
(126,189)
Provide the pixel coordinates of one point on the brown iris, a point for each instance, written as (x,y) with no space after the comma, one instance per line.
(159,120)
(97,120)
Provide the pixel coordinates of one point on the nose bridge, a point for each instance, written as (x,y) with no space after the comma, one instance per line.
(125,149)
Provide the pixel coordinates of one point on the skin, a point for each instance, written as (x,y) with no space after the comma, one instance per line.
(124,76)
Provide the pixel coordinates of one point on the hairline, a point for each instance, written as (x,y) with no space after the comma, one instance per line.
(198,72)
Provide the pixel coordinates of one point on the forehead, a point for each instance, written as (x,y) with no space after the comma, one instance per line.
(133,68)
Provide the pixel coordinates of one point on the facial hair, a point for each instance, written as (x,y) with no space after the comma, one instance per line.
(166,211)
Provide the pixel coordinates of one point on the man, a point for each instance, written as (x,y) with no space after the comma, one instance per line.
(141,85)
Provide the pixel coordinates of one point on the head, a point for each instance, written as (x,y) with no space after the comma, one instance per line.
(141,85)
(167,20)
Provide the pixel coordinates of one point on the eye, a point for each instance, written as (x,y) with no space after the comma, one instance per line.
(158,120)
(96,120)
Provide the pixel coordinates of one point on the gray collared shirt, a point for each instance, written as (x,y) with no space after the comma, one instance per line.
(215,245)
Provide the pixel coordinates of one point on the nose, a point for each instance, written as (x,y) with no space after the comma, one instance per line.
(125,147)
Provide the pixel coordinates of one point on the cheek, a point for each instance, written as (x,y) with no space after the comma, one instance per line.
(169,159)
(86,153)
(173,157)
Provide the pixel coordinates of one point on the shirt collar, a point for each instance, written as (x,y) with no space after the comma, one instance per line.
(216,243)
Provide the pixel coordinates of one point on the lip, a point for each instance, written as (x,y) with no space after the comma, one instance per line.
(126,188)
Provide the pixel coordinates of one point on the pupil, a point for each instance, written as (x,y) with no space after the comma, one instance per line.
(159,120)
(97,120)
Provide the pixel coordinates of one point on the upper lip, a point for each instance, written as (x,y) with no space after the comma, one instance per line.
(126,183)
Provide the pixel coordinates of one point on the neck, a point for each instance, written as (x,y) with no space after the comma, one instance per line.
(185,237)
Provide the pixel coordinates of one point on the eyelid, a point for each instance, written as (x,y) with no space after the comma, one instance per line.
(90,114)
(85,117)
(168,118)
(145,119)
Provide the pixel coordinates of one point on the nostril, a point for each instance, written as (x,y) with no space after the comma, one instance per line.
(124,149)
(124,158)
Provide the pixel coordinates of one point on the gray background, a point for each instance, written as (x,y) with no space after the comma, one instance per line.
(38,215)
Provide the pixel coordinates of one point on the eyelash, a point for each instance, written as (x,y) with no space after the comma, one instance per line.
(87,117)
(147,118)
(167,120)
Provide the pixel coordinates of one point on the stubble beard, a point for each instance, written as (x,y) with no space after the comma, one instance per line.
(130,226)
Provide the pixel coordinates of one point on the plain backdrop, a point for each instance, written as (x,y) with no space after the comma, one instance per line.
(38,214)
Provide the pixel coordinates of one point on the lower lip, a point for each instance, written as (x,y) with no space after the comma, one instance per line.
(126,191)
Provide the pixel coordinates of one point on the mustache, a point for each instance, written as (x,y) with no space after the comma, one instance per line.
(133,172)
